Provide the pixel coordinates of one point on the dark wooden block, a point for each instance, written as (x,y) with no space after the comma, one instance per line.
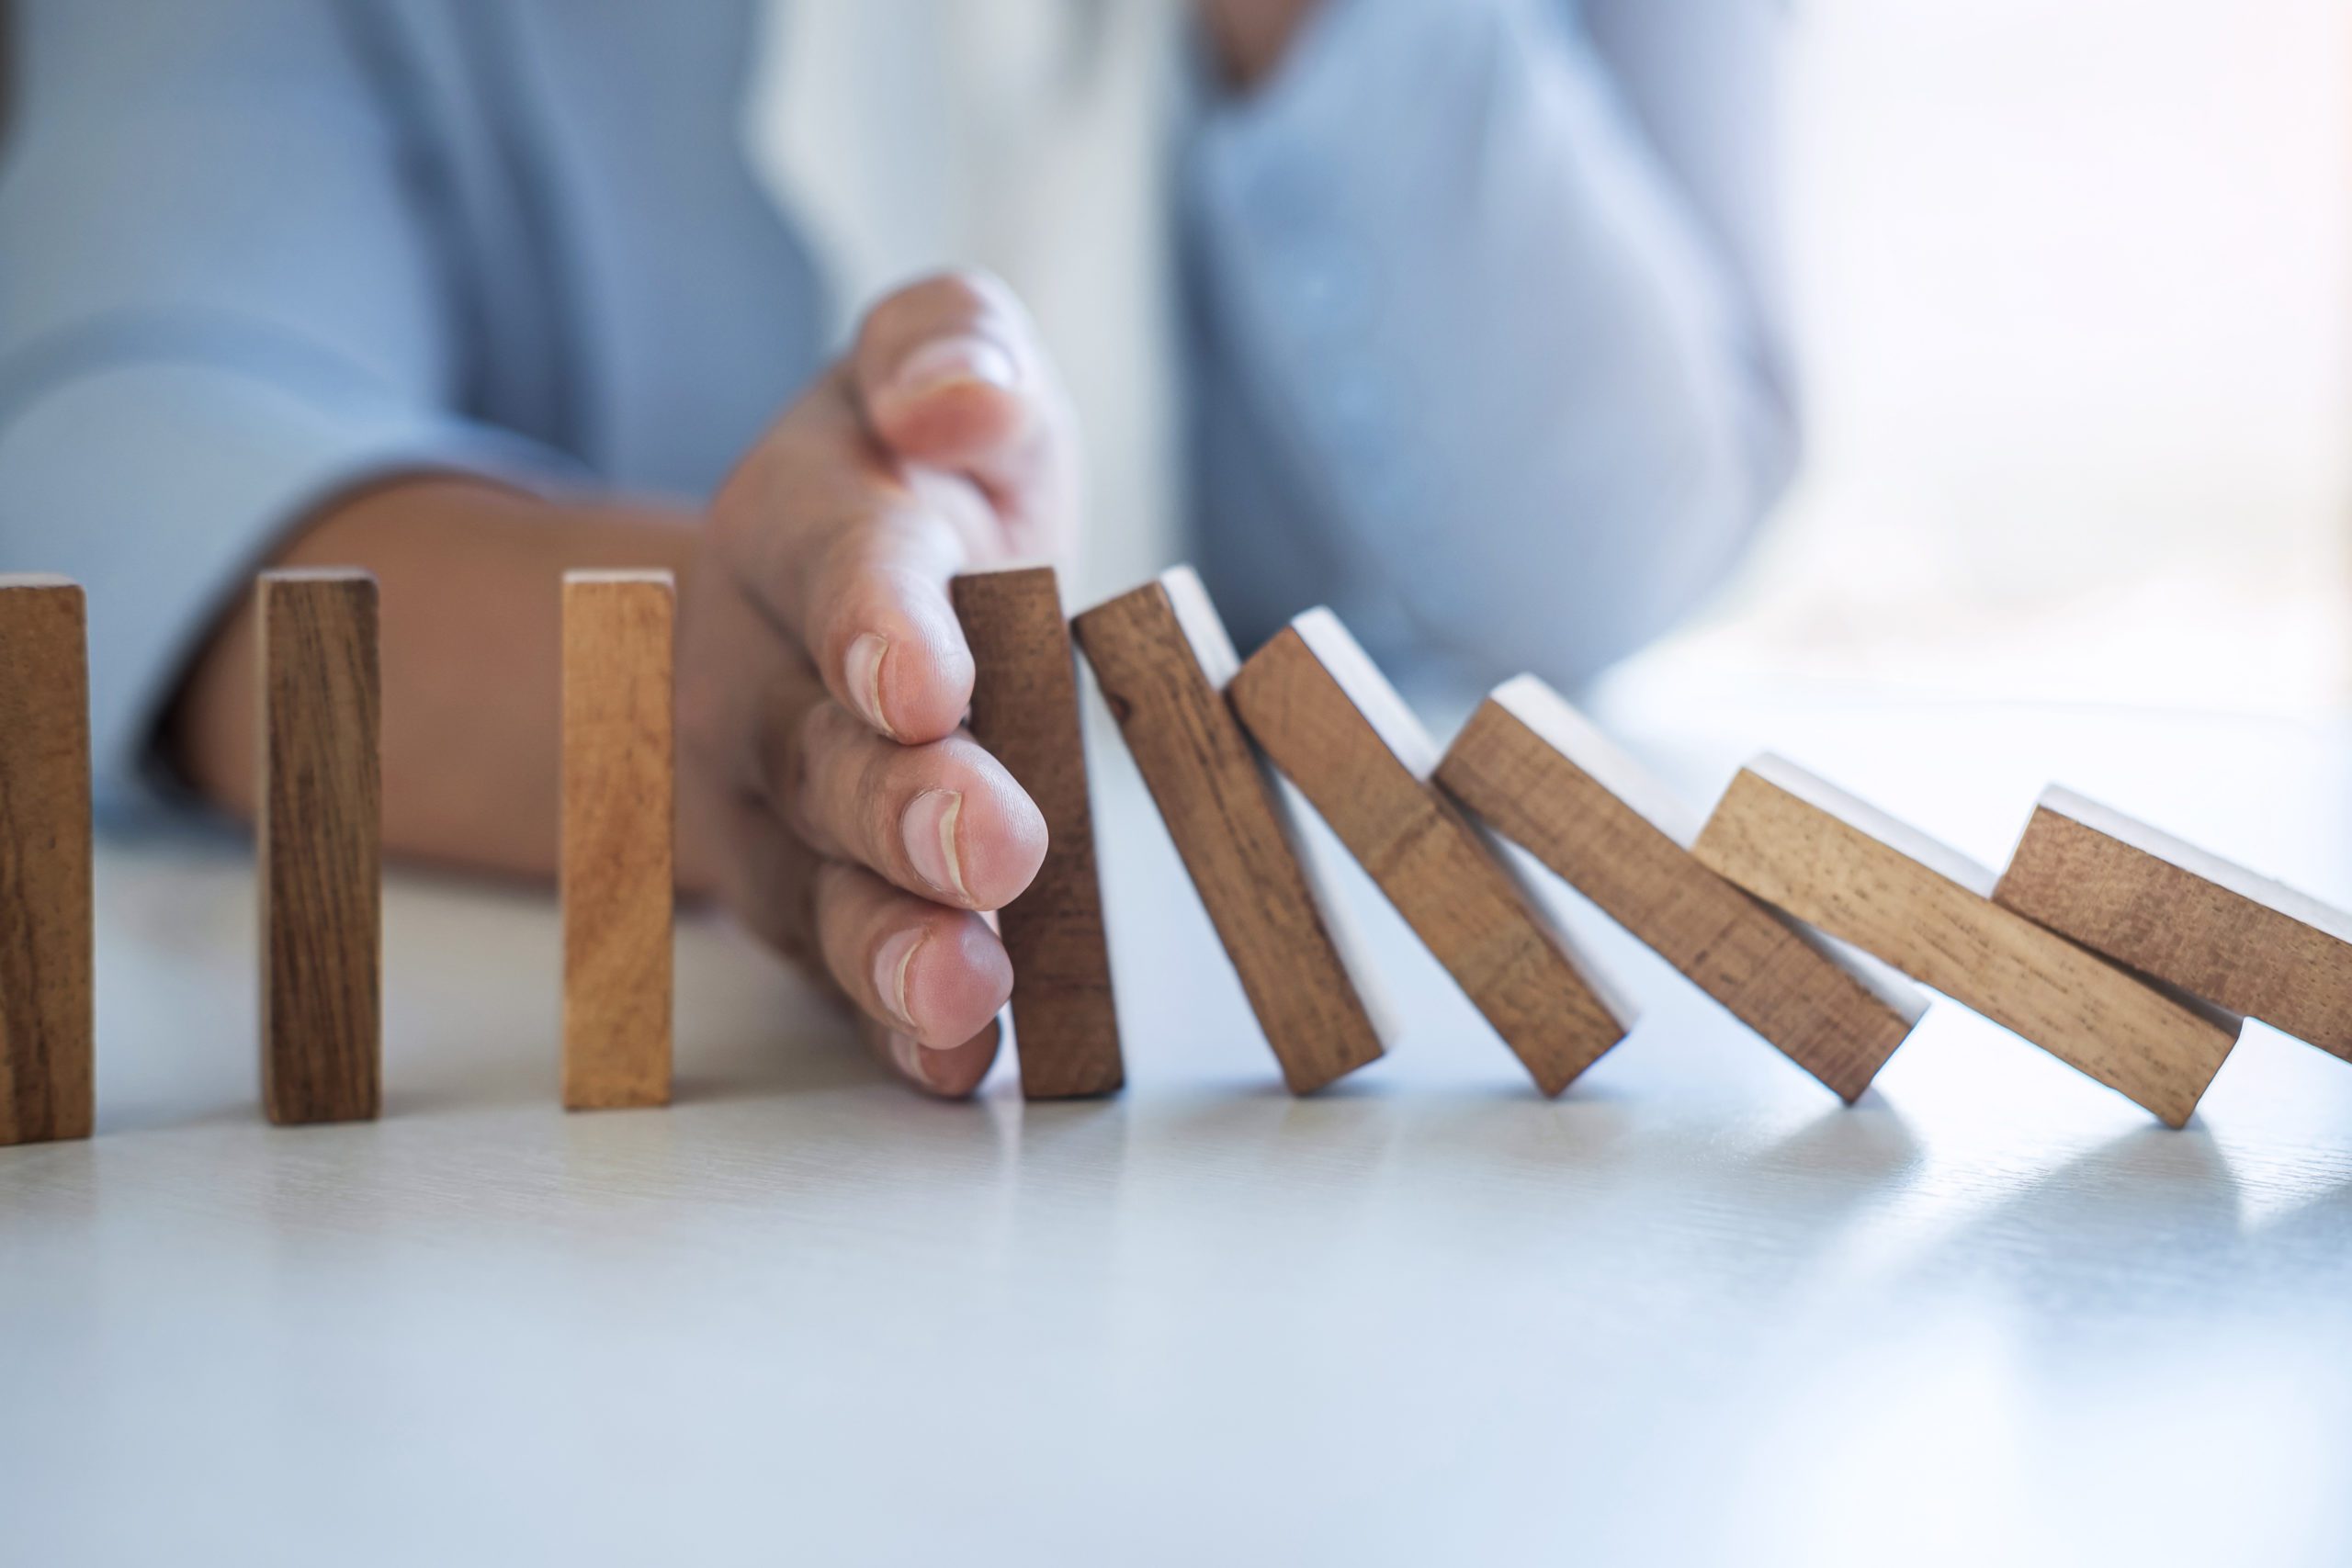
(1163,660)
(1024,710)
(46,1051)
(318,835)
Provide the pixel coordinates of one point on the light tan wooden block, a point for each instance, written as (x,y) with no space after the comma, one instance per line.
(1827,858)
(1024,710)
(318,837)
(1332,723)
(46,1054)
(1540,774)
(1163,660)
(2188,918)
(619,832)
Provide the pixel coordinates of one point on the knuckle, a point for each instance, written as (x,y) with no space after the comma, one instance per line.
(970,287)
(833,905)
(862,580)
(821,737)
(959,288)
(879,804)
(954,292)
(804,770)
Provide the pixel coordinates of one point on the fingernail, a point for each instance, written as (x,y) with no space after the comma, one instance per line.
(907,1052)
(863,667)
(937,365)
(928,828)
(891,963)
(921,1067)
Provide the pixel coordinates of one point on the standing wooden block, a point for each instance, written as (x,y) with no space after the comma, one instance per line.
(2188,918)
(1539,773)
(1163,660)
(1024,710)
(1334,725)
(619,828)
(1825,857)
(317,835)
(45,998)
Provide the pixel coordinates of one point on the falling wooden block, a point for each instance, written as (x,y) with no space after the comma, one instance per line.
(2188,918)
(619,827)
(1163,660)
(1540,774)
(318,835)
(1827,858)
(1334,725)
(1024,710)
(45,935)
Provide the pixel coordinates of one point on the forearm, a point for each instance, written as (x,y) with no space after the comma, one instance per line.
(470,576)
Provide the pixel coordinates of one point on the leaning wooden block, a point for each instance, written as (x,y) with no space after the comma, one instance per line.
(619,826)
(1024,710)
(1334,725)
(1827,858)
(317,834)
(1163,660)
(1542,775)
(2188,918)
(45,935)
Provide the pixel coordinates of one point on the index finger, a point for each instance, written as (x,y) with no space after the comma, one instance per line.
(848,555)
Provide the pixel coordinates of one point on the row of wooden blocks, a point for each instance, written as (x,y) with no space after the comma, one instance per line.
(2123,951)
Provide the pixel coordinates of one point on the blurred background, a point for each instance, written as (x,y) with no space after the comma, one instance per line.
(2073,286)
(2074,304)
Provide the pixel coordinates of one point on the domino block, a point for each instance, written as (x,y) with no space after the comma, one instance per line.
(1826,858)
(1024,710)
(1542,775)
(2188,918)
(1332,723)
(619,832)
(318,837)
(1163,660)
(46,1051)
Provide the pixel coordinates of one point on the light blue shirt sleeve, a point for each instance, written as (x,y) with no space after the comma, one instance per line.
(217,311)
(1485,338)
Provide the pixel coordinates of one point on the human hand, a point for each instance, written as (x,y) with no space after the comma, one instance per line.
(828,792)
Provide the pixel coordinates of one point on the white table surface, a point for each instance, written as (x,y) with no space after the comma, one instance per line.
(1693,1311)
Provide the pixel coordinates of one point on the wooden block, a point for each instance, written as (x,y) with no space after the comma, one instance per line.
(1163,660)
(1825,857)
(1334,725)
(619,828)
(1540,774)
(1024,710)
(2188,918)
(317,833)
(46,1053)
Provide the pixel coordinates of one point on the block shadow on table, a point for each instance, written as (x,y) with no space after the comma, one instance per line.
(2160,1209)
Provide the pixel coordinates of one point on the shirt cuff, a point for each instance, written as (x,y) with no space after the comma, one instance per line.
(161,488)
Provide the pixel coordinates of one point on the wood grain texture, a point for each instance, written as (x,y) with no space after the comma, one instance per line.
(318,836)
(2188,918)
(1024,710)
(768,1286)
(46,1037)
(1827,858)
(1332,723)
(618,870)
(1540,773)
(1162,659)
